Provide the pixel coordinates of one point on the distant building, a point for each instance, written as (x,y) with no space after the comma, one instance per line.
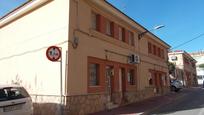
(199,57)
(185,67)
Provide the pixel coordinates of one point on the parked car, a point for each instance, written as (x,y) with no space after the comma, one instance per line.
(14,100)
(176,85)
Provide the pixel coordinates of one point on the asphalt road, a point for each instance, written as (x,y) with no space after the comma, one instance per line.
(191,103)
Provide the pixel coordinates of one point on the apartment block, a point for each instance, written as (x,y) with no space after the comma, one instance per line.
(104,64)
(185,67)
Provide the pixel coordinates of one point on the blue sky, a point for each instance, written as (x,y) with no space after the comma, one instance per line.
(183,19)
(8,5)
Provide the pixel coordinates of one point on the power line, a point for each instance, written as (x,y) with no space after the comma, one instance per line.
(188,41)
(30,51)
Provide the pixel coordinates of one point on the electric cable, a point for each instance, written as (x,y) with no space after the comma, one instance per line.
(187,41)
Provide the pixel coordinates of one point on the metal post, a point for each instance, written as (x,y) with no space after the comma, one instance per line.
(61,101)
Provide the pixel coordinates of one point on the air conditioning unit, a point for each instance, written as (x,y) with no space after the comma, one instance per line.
(134,59)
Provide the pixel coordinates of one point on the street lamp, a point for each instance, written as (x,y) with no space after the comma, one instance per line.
(147,31)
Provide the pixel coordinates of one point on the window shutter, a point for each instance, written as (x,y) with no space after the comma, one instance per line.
(115,30)
(149,47)
(126,35)
(101,23)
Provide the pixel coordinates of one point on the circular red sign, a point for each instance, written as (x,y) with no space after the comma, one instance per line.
(53,53)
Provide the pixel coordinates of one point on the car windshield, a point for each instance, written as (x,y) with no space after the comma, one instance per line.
(11,93)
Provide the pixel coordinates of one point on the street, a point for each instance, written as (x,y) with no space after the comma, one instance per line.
(191,103)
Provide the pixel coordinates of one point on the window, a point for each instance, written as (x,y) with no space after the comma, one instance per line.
(131,38)
(150,79)
(193,65)
(93,74)
(186,60)
(149,47)
(12,93)
(131,80)
(109,28)
(94,20)
(121,34)
(173,58)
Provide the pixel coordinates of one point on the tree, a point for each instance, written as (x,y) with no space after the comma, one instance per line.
(201,66)
(171,67)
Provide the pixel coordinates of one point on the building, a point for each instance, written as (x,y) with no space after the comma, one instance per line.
(185,67)
(199,57)
(104,63)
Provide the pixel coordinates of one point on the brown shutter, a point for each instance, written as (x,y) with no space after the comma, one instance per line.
(149,47)
(154,50)
(115,31)
(126,36)
(159,53)
(123,35)
(101,24)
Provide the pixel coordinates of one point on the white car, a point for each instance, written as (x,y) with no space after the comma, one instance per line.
(176,85)
(14,100)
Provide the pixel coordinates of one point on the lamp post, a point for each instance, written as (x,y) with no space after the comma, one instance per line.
(147,31)
(139,37)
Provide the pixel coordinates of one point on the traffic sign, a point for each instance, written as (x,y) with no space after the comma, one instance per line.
(53,53)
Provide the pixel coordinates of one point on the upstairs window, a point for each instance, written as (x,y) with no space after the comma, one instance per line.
(193,65)
(186,60)
(174,58)
(94,21)
(121,34)
(109,28)
(93,74)
(131,38)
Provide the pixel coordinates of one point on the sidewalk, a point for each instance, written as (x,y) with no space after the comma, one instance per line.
(144,107)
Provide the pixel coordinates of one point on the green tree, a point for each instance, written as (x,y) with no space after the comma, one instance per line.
(201,65)
(171,67)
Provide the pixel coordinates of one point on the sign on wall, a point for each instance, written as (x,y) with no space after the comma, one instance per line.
(53,53)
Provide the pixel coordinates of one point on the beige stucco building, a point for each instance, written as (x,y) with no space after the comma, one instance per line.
(104,63)
(185,67)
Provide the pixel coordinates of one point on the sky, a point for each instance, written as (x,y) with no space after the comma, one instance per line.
(8,5)
(183,19)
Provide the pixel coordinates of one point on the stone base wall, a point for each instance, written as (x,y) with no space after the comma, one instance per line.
(85,104)
(46,104)
(131,97)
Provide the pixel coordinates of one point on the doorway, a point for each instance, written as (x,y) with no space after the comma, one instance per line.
(109,81)
(122,82)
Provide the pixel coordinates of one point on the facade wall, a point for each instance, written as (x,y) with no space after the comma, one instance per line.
(68,24)
(198,56)
(23,59)
(106,50)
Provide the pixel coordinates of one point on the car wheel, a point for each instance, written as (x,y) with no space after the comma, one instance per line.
(173,88)
(177,90)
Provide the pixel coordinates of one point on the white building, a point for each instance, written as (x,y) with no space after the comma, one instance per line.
(199,57)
